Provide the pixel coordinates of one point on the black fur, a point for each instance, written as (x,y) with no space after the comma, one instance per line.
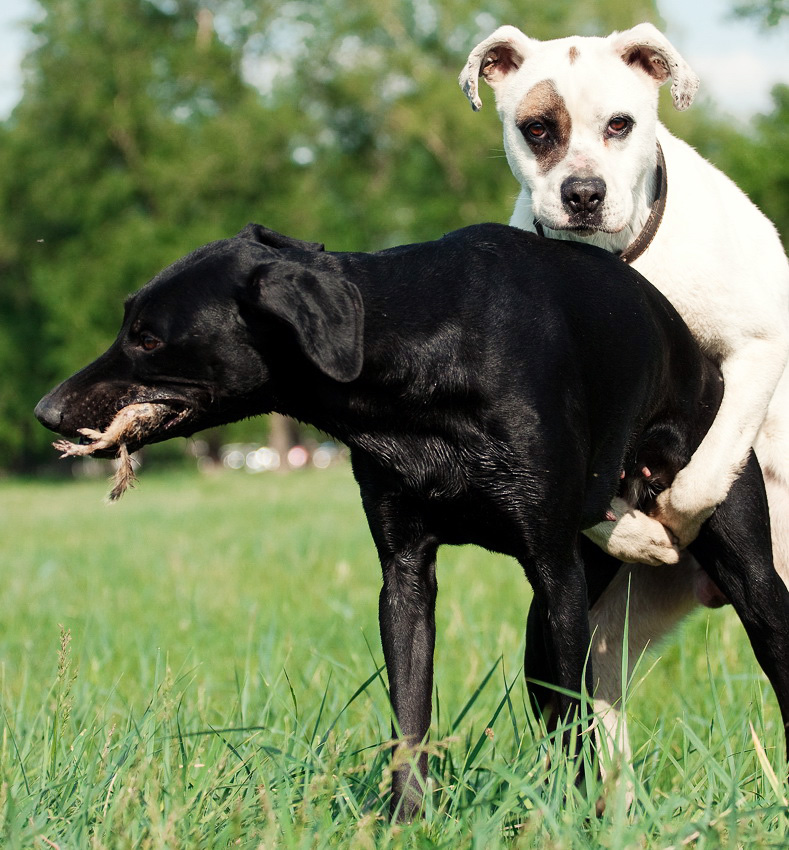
(491,386)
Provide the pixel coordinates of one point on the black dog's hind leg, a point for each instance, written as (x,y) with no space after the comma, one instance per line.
(557,640)
(735,548)
(537,668)
(600,569)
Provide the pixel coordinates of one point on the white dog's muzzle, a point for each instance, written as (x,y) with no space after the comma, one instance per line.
(583,198)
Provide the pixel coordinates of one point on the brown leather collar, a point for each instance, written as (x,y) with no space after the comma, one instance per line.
(637,247)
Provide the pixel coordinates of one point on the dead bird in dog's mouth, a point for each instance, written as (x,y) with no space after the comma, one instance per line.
(131,425)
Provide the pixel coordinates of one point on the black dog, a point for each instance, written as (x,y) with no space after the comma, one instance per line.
(492,387)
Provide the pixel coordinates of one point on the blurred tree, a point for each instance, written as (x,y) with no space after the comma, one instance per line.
(135,141)
(769,12)
(755,156)
(759,161)
(139,137)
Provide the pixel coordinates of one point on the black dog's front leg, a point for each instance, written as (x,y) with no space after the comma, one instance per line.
(406,613)
(407,618)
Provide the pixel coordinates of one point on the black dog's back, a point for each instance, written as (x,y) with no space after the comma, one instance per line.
(499,336)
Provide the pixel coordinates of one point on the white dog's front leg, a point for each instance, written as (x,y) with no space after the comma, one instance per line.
(633,537)
(749,377)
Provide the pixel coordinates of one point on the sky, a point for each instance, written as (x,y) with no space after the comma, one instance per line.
(738,64)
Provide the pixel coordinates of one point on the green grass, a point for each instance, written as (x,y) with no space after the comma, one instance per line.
(197,667)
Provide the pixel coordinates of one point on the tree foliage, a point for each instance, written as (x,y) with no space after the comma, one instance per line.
(148,127)
(769,12)
(761,164)
(755,156)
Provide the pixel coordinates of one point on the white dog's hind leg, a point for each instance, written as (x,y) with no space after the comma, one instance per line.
(772,450)
(658,600)
(778,499)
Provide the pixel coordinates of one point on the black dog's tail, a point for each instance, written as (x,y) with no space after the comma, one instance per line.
(666,444)
(654,463)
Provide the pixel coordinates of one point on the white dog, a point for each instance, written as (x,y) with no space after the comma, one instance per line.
(582,137)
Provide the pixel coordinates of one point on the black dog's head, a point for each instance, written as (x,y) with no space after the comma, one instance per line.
(199,339)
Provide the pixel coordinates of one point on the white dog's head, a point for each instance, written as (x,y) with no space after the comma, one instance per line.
(579,118)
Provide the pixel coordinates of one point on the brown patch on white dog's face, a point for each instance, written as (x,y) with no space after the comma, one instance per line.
(574,54)
(544,121)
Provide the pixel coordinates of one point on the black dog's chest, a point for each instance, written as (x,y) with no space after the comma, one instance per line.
(462,495)
(425,467)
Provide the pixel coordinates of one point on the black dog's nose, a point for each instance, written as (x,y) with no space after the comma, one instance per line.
(48,413)
(582,194)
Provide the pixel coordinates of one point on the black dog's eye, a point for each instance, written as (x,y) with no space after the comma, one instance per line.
(148,342)
(619,126)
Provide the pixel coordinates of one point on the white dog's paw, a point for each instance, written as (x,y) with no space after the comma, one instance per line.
(639,539)
(680,515)
(633,537)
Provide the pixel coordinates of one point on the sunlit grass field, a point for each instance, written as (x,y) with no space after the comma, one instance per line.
(199,667)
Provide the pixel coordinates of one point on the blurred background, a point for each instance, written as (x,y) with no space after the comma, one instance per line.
(132,131)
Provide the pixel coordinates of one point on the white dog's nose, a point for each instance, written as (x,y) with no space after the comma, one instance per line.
(582,195)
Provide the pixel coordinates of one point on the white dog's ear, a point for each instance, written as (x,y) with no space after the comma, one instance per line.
(498,55)
(645,47)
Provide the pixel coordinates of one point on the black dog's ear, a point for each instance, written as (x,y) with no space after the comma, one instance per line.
(258,233)
(324,310)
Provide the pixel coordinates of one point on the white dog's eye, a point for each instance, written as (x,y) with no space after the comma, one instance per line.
(619,125)
(536,130)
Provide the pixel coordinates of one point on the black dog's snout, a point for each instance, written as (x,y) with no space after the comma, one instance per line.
(48,413)
(583,194)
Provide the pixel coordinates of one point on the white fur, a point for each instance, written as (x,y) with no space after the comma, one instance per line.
(715,257)
(628,531)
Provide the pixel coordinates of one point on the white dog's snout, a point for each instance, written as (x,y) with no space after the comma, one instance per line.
(583,195)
